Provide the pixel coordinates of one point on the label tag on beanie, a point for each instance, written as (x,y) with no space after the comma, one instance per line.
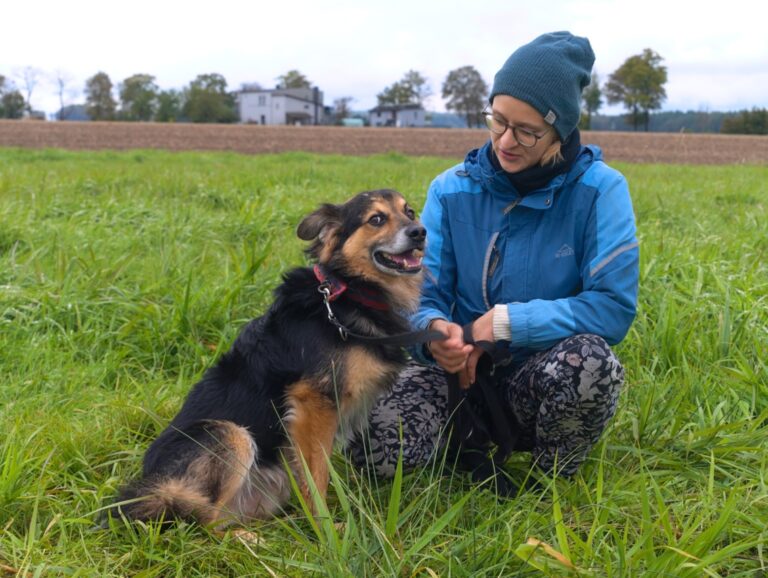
(551,117)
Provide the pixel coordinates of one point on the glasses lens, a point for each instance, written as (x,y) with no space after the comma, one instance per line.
(494,125)
(525,137)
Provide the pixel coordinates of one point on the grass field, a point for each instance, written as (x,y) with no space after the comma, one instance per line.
(124,275)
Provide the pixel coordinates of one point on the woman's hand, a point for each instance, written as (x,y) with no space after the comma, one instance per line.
(451,354)
(482,330)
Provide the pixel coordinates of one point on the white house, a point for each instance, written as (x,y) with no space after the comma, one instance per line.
(397,115)
(299,106)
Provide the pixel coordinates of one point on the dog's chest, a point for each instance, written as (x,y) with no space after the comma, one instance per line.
(365,377)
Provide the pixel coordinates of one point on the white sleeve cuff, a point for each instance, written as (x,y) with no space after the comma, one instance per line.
(502,331)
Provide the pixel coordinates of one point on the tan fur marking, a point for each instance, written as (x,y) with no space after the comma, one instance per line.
(230,463)
(235,469)
(170,495)
(329,246)
(363,373)
(312,429)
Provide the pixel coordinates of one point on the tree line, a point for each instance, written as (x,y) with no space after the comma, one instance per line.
(205,99)
(638,84)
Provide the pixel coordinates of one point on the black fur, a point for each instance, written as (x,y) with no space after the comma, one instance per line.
(250,386)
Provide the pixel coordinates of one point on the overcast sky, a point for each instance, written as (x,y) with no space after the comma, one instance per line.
(716,53)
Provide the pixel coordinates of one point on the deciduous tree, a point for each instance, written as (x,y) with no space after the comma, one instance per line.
(466,92)
(206,100)
(29,77)
(12,103)
(99,102)
(418,85)
(169,106)
(411,89)
(293,79)
(65,91)
(639,85)
(138,97)
(591,101)
(396,94)
(341,108)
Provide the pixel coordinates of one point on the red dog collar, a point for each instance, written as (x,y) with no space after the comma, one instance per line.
(367,296)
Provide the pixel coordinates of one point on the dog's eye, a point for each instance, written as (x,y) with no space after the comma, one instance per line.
(378,219)
(410,213)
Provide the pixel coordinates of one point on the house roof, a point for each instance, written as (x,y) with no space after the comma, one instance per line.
(303,94)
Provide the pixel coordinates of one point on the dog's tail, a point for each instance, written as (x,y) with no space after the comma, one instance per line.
(162,499)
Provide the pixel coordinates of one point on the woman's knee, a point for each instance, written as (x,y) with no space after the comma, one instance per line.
(586,361)
(578,388)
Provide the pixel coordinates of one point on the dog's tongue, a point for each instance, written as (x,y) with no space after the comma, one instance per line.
(407,260)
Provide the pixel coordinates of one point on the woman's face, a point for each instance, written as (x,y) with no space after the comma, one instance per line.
(513,156)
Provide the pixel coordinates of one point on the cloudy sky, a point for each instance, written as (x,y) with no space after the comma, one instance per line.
(716,54)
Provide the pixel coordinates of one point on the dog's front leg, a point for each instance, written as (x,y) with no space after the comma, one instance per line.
(312,428)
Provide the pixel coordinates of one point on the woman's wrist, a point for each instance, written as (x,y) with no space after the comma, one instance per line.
(502,331)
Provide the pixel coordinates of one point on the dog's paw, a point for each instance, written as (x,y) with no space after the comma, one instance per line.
(247,537)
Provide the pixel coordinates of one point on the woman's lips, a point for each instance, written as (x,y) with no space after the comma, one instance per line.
(509,156)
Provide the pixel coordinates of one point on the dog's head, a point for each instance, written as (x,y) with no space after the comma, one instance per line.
(375,236)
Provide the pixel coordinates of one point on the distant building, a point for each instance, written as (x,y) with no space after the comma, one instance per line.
(398,115)
(297,106)
(33,115)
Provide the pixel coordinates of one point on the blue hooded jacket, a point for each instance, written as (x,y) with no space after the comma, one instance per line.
(564,258)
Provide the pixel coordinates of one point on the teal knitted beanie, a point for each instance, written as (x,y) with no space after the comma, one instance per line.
(549,73)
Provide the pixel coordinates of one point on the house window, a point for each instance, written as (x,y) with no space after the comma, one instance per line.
(262,100)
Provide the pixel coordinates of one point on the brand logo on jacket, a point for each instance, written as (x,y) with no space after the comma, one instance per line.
(564,251)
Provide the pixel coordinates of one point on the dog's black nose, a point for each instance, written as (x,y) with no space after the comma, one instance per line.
(416,232)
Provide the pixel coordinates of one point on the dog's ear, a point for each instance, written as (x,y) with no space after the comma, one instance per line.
(319,223)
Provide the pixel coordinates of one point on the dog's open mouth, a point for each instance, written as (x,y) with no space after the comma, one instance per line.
(406,262)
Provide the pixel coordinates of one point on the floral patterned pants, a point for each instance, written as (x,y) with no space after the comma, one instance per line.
(562,397)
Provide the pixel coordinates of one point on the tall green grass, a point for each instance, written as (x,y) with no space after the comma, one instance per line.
(124,275)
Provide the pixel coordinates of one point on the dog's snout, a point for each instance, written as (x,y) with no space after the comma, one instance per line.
(416,233)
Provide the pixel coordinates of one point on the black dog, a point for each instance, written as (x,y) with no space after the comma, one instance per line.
(296,378)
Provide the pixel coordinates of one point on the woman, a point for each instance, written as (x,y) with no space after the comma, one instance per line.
(532,240)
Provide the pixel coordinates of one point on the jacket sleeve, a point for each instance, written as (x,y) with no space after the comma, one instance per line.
(607,303)
(439,268)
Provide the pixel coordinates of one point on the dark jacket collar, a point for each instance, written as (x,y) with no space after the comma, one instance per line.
(481,165)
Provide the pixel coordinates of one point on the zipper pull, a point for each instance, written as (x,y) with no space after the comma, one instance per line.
(494,262)
(512,205)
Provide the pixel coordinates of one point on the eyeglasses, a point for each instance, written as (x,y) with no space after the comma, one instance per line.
(524,137)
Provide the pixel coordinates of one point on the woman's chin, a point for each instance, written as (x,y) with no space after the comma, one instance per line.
(512,164)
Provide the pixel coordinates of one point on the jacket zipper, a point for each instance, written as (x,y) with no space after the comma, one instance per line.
(489,266)
(493,255)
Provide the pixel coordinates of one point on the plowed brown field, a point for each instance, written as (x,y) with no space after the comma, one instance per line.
(621,146)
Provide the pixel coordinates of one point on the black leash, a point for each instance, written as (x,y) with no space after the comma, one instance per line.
(472,434)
